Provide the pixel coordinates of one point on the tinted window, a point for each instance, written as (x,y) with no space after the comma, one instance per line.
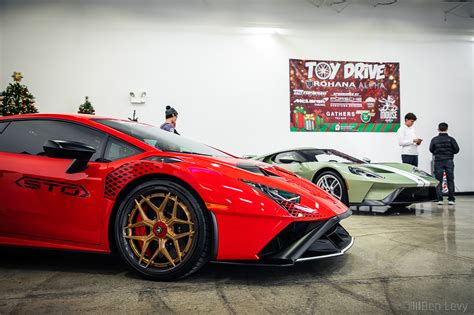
(29,136)
(286,156)
(329,155)
(160,139)
(117,149)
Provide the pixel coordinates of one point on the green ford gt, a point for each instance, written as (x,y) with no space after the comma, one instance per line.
(356,182)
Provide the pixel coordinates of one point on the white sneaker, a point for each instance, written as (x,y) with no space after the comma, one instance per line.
(440,203)
(451,203)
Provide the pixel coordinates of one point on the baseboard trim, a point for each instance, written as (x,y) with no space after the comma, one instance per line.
(464,193)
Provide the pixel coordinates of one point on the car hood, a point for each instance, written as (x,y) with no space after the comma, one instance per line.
(270,175)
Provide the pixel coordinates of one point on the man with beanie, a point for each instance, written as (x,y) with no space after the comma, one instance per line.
(444,148)
(171,117)
(408,140)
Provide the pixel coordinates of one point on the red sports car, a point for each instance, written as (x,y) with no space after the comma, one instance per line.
(167,204)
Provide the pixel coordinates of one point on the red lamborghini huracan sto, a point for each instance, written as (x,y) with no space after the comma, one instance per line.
(166,204)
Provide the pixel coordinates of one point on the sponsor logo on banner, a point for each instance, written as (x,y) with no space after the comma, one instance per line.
(365,117)
(343,84)
(388,110)
(340,114)
(311,101)
(370,102)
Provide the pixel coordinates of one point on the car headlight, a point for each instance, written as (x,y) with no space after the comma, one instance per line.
(287,200)
(363,172)
(419,172)
(278,195)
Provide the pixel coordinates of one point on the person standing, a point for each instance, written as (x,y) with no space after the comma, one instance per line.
(171,117)
(408,140)
(444,148)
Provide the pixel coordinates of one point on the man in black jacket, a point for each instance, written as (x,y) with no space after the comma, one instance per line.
(444,148)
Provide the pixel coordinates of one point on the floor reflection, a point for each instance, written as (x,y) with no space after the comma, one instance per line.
(384,210)
(446,218)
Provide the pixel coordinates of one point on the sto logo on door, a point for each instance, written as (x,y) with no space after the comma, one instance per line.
(52,186)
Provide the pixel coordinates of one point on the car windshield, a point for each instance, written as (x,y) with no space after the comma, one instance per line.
(329,155)
(160,139)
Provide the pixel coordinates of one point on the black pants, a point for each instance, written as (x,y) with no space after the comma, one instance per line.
(448,167)
(410,159)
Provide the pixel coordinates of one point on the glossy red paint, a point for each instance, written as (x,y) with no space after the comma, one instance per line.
(42,213)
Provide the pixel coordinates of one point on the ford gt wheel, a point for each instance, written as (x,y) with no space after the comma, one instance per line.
(162,231)
(332,183)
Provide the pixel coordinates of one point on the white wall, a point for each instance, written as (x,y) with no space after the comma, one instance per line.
(1,43)
(224,66)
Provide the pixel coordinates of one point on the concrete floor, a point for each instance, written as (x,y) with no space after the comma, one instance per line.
(415,261)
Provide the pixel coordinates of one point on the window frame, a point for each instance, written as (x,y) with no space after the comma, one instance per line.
(107,137)
(110,138)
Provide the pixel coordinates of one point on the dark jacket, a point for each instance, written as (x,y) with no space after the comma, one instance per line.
(443,147)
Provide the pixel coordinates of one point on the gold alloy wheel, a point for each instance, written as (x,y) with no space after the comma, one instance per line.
(160,230)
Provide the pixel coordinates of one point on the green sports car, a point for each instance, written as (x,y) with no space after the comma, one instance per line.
(356,182)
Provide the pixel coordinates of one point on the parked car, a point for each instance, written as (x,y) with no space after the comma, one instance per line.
(357,182)
(166,204)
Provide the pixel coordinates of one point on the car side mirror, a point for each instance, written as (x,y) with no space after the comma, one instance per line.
(80,153)
(288,160)
(366,160)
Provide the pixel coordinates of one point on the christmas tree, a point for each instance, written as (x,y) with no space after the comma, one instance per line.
(86,108)
(16,99)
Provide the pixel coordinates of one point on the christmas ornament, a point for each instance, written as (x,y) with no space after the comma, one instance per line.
(17,76)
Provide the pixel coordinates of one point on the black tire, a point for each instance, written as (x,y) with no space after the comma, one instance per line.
(344,197)
(197,253)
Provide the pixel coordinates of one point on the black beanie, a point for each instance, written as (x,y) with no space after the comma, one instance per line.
(170,112)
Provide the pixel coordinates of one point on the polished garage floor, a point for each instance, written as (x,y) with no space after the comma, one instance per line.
(415,261)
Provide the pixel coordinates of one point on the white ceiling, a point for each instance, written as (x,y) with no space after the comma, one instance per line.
(405,15)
